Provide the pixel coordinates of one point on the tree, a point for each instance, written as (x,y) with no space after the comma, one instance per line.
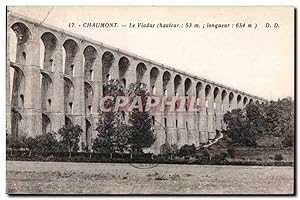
(14,143)
(187,150)
(111,135)
(46,143)
(31,144)
(70,138)
(140,132)
(239,129)
(108,126)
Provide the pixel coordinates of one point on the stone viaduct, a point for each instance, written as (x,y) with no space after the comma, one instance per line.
(55,77)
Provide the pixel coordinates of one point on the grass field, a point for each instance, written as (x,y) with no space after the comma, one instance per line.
(107,178)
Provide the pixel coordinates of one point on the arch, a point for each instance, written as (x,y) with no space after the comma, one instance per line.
(166,82)
(50,52)
(140,72)
(124,64)
(90,55)
(88,97)
(71,48)
(18,88)
(46,94)
(245,101)
(88,134)
(230,98)
(68,95)
(238,99)
(107,61)
(224,93)
(207,90)
(46,124)
(251,100)
(17,123)
(177,83)
(216,94)
(199,87)
(23,35)
(68,122)
(257,102)
(154,72)
(187,86)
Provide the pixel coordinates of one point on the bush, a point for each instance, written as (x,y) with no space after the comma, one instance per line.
(278,157)
(231,152)
(187,150)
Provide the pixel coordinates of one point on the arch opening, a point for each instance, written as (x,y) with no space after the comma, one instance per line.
(23,35)
(140,72)
(46,124)
(48,51)
(124,64)
(90,56)
(153,79)
(68,95)
(88,93)
(71,58)
(107,62)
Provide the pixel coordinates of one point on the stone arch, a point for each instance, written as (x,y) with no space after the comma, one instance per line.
(223,99)
(251,100)
(245,101)
(72,55)
(154,72)
(88,134)
(68,122)
(230,97)
(140,72)
(199,87)
(90,55)
(187,86)
(216,94)
(68,95)
(48,51)
(207,94)
(166,82)
(17,123)
(238,100)
(46,94)
(257,102)
(88,97)
(124,64)
(23,35)
(18,88)
(177,85)
(107,62)
(46,124)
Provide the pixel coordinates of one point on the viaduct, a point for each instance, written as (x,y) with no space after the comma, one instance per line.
(55,78)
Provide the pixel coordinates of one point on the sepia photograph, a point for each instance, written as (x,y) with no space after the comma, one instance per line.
(150,100)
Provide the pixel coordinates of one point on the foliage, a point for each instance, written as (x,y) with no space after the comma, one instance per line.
(278,157)
(111,133)
(70,137)
(111,129)
(166,149)
(187,150)
(273,119)
(14,143)
(239,128)
(44,143)
(140,133)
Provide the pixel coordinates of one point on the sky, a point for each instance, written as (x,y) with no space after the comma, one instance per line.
(257,61)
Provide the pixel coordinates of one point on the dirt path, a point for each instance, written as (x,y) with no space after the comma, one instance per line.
(107,178)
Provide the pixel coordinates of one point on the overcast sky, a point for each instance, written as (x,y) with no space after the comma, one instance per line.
(258,61)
